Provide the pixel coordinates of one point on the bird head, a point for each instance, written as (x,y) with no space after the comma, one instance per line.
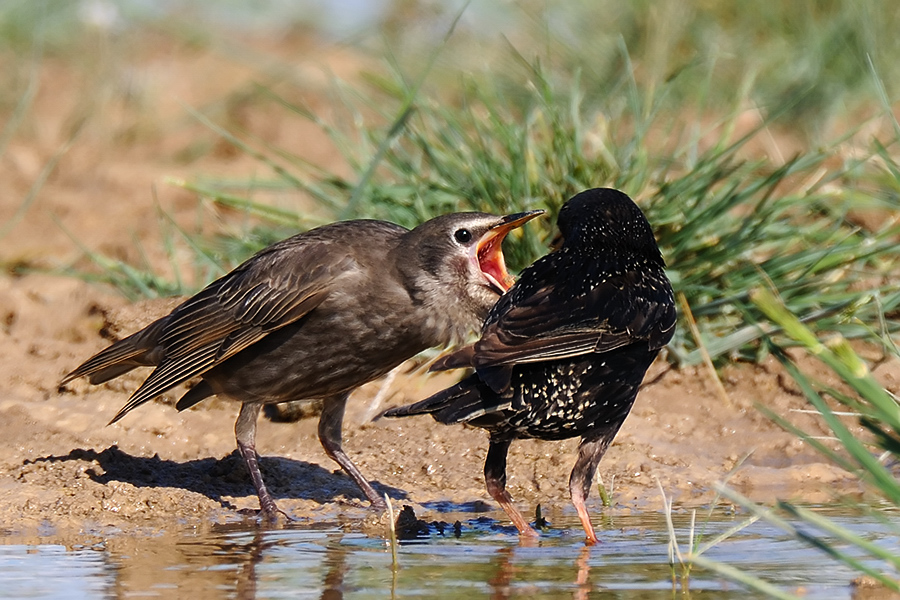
(455,261)
(603,220)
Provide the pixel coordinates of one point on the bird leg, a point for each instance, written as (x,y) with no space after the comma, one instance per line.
(330,436)
(245,433)
(495,482)
(590,451)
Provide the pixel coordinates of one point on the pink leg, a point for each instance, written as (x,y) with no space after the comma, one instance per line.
(589,454)
(495,481)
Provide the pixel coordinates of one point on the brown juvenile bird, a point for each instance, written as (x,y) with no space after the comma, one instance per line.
(316,316)
(563,352)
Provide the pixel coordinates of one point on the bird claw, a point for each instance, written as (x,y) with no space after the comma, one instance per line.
(270,515)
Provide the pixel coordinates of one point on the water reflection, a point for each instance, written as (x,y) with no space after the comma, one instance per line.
(502,582)
(333,586)
(327,562)
(250,555)
(245,560)
(582,580)
(153,566)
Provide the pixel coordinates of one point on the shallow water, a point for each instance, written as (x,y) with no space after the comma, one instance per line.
(325,561)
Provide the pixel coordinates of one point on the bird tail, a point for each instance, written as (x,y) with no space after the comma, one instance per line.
(464,357)
(134,351)
(460,403)
(430,405)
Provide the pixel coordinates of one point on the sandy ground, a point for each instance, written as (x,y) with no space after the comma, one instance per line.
(61,466)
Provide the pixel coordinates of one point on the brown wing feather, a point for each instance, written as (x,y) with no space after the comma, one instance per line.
(167,375)
(235,312)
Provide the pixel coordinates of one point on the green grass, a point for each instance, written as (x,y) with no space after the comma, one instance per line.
(872,456)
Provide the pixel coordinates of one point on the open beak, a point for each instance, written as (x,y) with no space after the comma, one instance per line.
(489,250)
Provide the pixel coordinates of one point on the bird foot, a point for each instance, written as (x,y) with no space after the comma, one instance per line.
(270,516)
(529,538)
(275,517)
(378,507)
(529,533)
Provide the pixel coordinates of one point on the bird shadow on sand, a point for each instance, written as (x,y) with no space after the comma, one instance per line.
(217,478)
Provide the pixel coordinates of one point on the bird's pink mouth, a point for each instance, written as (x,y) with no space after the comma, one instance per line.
(489,250)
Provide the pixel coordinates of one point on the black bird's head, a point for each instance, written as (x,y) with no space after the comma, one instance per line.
(606,220)
(454,263)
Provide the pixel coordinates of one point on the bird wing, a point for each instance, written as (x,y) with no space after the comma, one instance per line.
(551,323)
(546,316)
(275,288)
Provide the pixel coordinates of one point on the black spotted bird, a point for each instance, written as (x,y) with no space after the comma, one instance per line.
(563,352)
(316,316)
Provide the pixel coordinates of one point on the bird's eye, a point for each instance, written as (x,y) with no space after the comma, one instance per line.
(463,236)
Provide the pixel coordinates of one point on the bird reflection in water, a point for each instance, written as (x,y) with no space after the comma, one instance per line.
(247,553)
(502,584)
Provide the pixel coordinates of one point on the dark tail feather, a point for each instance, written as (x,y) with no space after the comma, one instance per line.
(123,356)
(108,363)
(110,372)
(457,404)
(464,357)
(496,378)
(431,404)
(196,394)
